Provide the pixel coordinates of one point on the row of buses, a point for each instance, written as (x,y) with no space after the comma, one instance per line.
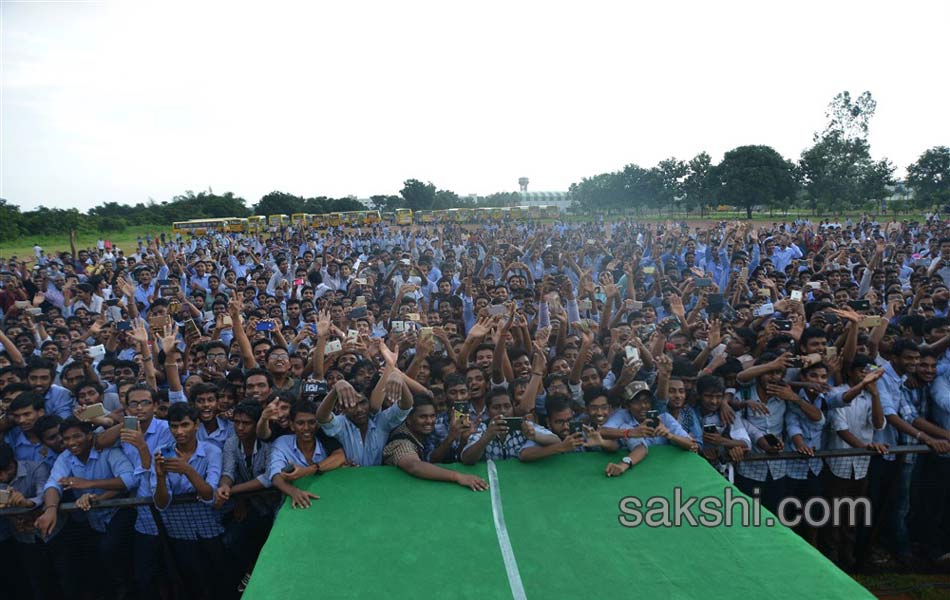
(361,218)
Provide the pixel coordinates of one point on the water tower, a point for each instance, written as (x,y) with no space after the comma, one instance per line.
(523,184)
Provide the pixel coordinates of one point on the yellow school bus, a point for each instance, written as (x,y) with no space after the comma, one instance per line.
(200,226)
(425,216)
(517,213)
(299,219)
(318,221)
(334,219)
(371,217)
(278,220)
(235,225)
(404,216)
(550,212)
(256,224)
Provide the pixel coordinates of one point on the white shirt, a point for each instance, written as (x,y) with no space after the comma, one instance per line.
(856,418)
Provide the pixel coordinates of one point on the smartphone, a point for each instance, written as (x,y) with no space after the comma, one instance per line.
(653,416)
(497,309)
(871,322)
(34,311)
(783,324)
(158,323)
(514,423)
(359,281)
(130,423)
(649,270)
(576,427)
(4,496)
(771,439)
(92,411)
(831,352)
(744,273)
(298,282)
(352,335)
(425,332)
(704,282)
(97,352)
(264,326)
(332,346)
(22,304)
(398,326)
(191,329)
(168,291)
(795,362)
(162,282)
(765,292)
(358,312)
(112,302)
(360,301)
(796,295)
(123,326)
(632,353)
(169,452)
(859,305)
(413,317)
(710,429)
(584,305)
(766,310)
(226,320)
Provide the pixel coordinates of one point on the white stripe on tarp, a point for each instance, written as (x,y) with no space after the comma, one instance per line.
(507,554)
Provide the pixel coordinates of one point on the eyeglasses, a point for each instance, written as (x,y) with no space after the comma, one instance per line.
(140,404)
(216,356)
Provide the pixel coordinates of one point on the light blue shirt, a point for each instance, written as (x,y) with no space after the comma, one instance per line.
(23,448)
(101,464)
(891,389)
(219,436)
(366,452)
(797,423)
(622,419)
(285,451)
(758,426)
(59,402)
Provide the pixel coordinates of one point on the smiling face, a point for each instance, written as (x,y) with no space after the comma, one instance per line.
(422,420)
(77,441)
(304,426)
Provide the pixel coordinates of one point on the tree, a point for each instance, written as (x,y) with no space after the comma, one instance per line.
(849,119)
(752,176)
(837,170)
(929,177)
(418,195)
(669,174)
(10,221)
(697,190)
(279,203)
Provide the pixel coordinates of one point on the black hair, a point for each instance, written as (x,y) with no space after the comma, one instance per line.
(179,411)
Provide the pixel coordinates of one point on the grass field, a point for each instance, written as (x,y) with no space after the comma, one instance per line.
(126,240)
(378,532)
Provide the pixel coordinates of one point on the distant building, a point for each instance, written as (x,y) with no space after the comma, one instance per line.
(562,200)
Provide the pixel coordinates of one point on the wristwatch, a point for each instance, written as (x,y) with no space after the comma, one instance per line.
(627,461)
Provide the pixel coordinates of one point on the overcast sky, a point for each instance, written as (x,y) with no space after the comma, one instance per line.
(125,101)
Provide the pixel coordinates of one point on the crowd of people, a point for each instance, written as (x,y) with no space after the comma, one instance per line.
(198,373)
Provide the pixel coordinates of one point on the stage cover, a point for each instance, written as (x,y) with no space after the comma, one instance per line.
(549,530)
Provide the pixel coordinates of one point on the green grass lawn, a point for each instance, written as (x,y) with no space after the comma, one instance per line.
(55,243)
(897,586)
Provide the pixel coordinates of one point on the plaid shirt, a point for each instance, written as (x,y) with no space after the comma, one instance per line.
(509,447)
(196,519)
(758,425)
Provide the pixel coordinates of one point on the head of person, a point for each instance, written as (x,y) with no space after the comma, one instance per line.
(258,385)
(47,428)
(183,423)
(26,409)
(303,421)
(813,340)
(926,371)
(89,392)
(710,390)
(40,375)
(597,406)
(246,416)
(141,402)
(8,463)
(205,398)
(498,403)
(476,381)
(905,355)
(560,415)
(816,373)
(77,436)
(421,419)
(771,377)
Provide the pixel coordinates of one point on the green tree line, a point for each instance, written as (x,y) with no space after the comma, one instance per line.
(834,174)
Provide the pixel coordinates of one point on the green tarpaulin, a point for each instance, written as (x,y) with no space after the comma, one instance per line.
(379,532)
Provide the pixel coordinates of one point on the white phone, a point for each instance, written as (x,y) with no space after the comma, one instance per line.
(632,353)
